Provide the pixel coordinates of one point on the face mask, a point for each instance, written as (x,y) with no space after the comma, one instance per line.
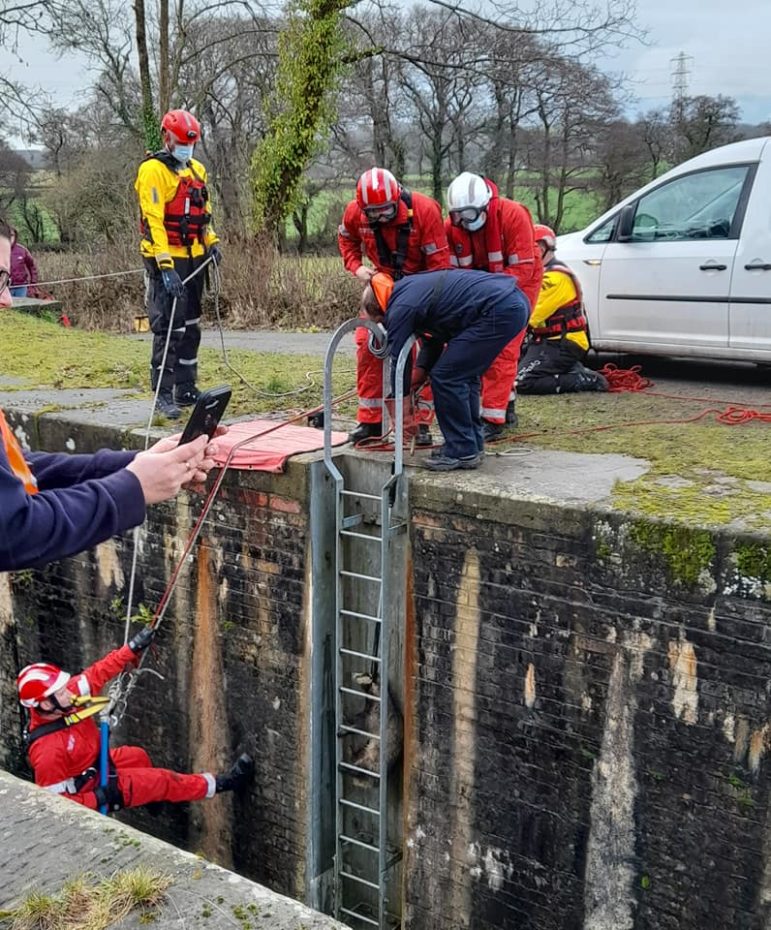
(476,224)
(183,153)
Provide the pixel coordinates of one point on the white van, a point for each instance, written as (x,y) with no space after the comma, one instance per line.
(683,266)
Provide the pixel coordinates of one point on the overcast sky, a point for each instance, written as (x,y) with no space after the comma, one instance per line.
(729,55)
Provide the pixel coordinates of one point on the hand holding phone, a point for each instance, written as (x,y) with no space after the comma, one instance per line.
(207,413)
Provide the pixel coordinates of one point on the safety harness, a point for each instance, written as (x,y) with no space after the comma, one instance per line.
(185,216)
(88,706)
(567,319)
(395,259)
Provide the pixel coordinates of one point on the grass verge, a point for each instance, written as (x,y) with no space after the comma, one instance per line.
(86,903)
(43,354)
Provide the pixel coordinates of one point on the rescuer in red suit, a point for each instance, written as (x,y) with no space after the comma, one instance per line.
(63,744)
(401,233)
(491,233)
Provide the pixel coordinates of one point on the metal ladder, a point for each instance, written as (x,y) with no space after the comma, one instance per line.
(367,889)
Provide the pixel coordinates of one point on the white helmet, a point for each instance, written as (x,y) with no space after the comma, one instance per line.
(468,190)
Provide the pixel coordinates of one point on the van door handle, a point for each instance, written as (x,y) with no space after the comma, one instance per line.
(713,267)
(758,266)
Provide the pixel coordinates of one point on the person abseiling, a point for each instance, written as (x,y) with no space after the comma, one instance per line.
(53,505)
(492,233)
(553,361)
(400,232)
(474,314)
(177,235)
(63,741)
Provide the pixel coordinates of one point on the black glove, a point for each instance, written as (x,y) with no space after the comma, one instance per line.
(215,254)
(141,640)
(109,797)
(172,282)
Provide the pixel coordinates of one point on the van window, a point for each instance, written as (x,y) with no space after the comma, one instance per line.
(701,205)
(603,233)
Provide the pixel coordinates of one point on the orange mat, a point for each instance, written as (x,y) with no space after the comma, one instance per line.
(269,453)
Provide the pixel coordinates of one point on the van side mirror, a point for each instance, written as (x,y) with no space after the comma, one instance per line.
(626,223)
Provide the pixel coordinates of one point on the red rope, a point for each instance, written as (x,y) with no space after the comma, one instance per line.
(625,379)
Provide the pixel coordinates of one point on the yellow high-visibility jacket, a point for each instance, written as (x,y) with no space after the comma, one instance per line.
(156,185)
(557,290)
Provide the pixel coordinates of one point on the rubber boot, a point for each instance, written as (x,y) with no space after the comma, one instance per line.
(239,776)
(366,431)
(186,394)
(167,407)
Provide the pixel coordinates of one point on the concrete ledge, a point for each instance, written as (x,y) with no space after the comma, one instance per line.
(47,840)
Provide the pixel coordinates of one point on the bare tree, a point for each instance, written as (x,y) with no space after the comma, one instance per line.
(701,123)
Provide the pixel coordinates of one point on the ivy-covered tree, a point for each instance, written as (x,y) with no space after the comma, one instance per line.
(311,57)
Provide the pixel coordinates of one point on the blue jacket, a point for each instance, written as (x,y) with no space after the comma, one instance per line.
(437,305)
(83,500)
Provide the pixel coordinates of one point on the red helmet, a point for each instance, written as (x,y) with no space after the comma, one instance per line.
(377,193)
(39,681)
(545,234)
(183,126)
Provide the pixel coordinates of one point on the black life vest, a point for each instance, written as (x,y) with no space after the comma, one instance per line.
(395,260)
(567,319)
(185,216)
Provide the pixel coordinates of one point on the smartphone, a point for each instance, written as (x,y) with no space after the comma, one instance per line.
(207,413)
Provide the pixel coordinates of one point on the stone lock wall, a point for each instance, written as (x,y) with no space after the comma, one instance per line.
(233,650)
(590,720)
(586,699)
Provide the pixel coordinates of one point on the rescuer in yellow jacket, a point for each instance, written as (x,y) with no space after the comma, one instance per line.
(559,340)
(177,236)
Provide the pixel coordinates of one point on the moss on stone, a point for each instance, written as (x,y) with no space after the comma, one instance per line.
(704,473)
(753,560)
(687,551)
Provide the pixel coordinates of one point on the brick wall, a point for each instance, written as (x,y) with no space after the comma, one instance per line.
(589,720)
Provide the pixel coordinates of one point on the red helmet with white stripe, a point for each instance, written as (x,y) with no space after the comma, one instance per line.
(546,235)
(39,681)
(377,194)
(182,126)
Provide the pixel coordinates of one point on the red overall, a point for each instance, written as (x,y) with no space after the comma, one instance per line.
(59,758)
(506,243)
(426,250)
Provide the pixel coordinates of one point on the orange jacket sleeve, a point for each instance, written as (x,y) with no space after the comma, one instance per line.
(520,253)
(349,238)
(433,238)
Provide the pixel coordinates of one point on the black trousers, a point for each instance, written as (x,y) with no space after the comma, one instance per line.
(181,366)
(555,366)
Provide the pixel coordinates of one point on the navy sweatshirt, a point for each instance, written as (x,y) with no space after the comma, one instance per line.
(438,305)
(83,500)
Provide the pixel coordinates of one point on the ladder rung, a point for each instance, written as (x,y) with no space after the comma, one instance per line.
(349,574)
(361,536)
(359,655)
(359,807)
(361,881)
(361,694)
(355,613)
(397,529)
(345,728)
(349,839)
(355,768)
(369,497)
(353,520)
(357,916)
